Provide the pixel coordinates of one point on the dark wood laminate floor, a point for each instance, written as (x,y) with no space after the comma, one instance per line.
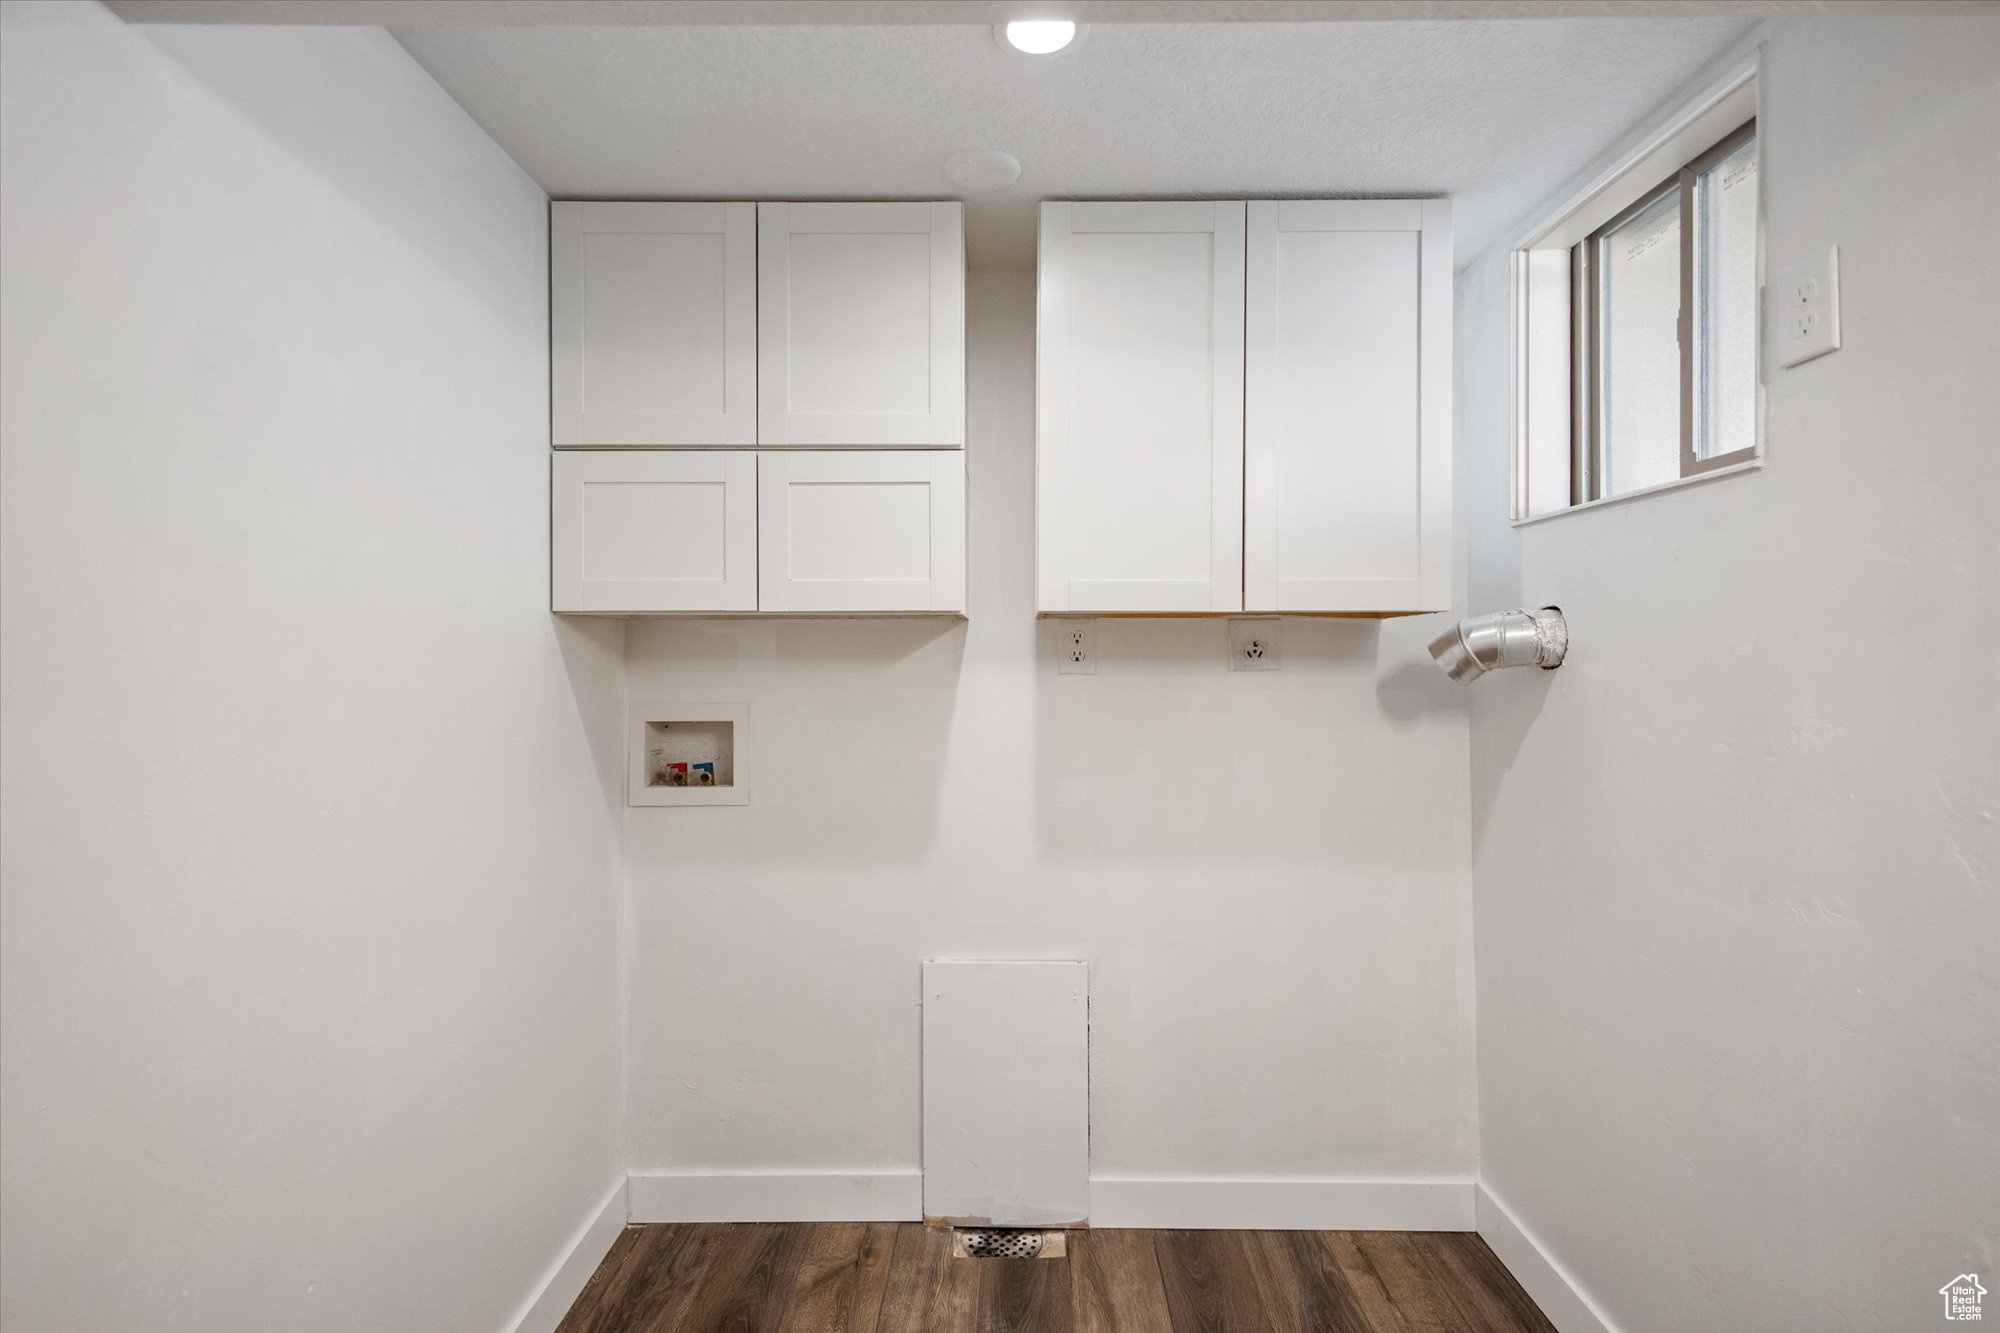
(899,1277)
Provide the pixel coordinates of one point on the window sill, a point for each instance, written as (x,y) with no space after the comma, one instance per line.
(1734,469)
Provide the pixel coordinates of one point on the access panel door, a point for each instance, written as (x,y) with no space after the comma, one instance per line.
(1006,1053)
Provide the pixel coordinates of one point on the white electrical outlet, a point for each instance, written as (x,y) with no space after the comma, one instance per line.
(1076,648)
(1253,645)
(1805,299)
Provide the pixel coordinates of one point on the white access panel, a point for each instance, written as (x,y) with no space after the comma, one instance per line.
(1006,1093)
(861,324)
(659,531)
(1347,409)
(1139,407)
(653,323)
(861,530)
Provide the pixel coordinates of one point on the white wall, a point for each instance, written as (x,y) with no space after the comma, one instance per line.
(309,911)
(1266,872)
(1737,928)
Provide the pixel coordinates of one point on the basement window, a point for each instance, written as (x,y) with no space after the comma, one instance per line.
(1636,319)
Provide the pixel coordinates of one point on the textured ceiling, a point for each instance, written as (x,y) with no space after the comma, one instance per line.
(487,13)
(1494,115)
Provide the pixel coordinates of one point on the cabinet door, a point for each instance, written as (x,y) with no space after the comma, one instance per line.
(861,531)
(1347,417)
(1139,407)
(654,532)
(861,324)
(652,323)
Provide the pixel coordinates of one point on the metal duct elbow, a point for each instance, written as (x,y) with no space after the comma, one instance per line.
(1479,644)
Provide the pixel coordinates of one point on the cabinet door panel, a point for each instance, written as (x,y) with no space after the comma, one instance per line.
(1139,407)
(1347,410)
(652,323)
(861,324)
(654,532)
(861,531)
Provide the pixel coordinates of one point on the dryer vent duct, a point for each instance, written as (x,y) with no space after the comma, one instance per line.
(1479,644)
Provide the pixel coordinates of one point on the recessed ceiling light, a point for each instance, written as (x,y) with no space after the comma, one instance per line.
(1039,37)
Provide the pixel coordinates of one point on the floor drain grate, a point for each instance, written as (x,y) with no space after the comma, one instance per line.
(1007,1243)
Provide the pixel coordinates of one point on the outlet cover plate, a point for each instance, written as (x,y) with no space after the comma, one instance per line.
(1076,647)
(1254,644)
(1806,300)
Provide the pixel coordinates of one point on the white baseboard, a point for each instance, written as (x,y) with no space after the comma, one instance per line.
(573,1267)
(1282,1203)
(761,1196)
(1551,1285)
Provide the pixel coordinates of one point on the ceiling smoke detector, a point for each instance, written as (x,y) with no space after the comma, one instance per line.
(982,169)
(1037,37)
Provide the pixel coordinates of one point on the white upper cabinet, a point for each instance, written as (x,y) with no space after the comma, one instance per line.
(652,323)
(639,532)
(1244,407)
(1139,420)
(1347,410)
(656,531)
(861,324)
(720,325)
(861,531)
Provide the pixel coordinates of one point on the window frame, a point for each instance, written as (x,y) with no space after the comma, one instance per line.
(1587,424)
(1559,436)
(1693,316)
